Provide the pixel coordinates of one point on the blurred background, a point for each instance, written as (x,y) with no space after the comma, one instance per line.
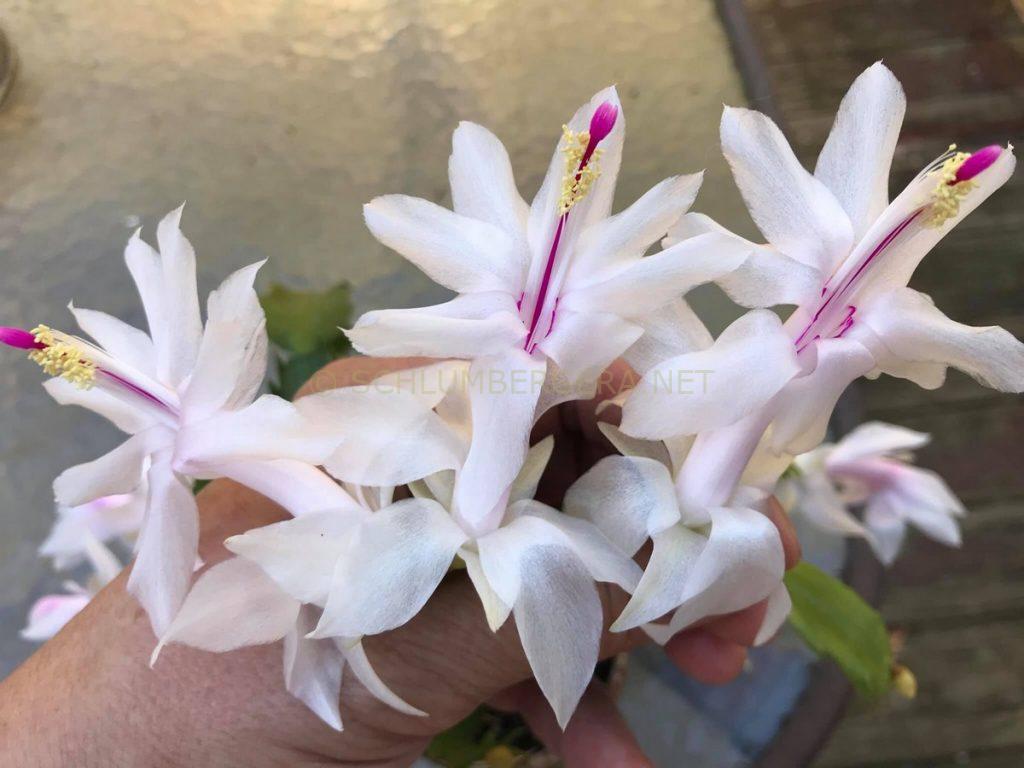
(277,119)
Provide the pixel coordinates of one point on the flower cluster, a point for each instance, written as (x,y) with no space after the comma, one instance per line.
(392,486)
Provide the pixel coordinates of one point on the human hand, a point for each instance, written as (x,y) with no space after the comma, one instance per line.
(87,697)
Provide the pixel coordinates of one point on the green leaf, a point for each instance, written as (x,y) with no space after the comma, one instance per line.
(295,370)
(835,622)
(303,322)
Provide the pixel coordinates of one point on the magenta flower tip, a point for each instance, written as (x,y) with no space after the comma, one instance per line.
(978,162)
(603,121)
(18,338)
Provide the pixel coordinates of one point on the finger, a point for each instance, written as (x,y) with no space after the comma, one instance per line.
(596,734)
(705,657)
(354,371)
(740,627)
(790,542)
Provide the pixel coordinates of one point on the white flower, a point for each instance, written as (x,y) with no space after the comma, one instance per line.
(187,396)
(50,613)
(548,294)
(726,560)
(871,467)
(376,572)
(844,255)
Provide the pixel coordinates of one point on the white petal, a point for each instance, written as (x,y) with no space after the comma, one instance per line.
(748,364)
(270,428)
(105,518)
(467,326)
(483,186)
(385,438)
(177,342)
(766,278)
(120,413)
(604,560)
(298,487)
(399,556)
(670,331)
(911,326)
(888,530)
(614,242)
(635,447)
(313,670)
(584,344)
(558,615)
(167,546)
(627,498)
(232,605)
(876,438)
(795,211)
(779,606)
(526,482)
(495,610)
(299,555)
(129,345)
(117,472)
(653,281)
(854,163)
(821,504)
(50,613)
(504,392)
(463,254)
(357,660)
(805,405)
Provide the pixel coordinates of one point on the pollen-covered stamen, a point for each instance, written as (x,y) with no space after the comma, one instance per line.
(581,171)
(58,357)
(955,181)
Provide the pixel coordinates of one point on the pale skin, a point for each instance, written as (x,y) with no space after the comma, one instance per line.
(89,699)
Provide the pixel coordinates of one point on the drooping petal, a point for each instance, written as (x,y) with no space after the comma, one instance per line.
(496,611)
(584,344)
(876,438)
(355,657)
(653,281)
(503,395)
(766,278)
(482,183)
(119,471)
(913,328)
(748,364)
(232,605)
(167,546)
(313,669)
(604,560)
(526,482)
(130,345)
(121,413)
(805,405)
(820,502)
(467,326)
(854,163)
(398,557)
(794,210)
(300,555)
(613,243)
(384,438)
(464,254)
(627,498)
(177,344)
(888,530)
(779,606)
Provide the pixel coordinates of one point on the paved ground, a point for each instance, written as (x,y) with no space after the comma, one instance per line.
(962,64)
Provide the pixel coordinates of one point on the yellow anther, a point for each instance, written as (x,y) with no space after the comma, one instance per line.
(501,757)
(60,358)
(577,181)
(904,682)
(948,191)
